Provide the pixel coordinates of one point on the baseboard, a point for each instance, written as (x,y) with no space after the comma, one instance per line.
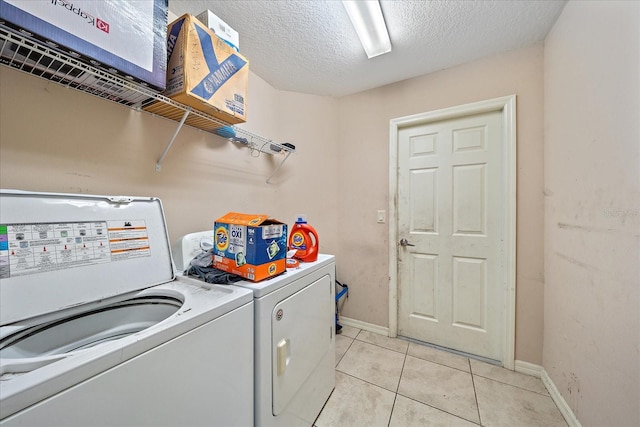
(382,330)
(562,405)
(528,368)
(539,372)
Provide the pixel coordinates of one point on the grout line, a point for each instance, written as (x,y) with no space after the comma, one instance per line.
(404,362)
(365,381)
(512,385)
(345,352)
(509,384)
(475,393)
(439,363)
(436,408)
(515,373)
(386,348)
(395,397)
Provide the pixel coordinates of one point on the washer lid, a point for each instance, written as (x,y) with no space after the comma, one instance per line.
(63,250)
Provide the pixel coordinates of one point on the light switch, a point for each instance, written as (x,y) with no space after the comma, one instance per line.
(381,217)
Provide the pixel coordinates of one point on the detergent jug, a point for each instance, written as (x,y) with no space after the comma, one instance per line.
(304,239)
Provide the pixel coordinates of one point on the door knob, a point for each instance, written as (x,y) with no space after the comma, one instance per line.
(404,242)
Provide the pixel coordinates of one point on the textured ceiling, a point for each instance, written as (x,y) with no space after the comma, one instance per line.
(309,46)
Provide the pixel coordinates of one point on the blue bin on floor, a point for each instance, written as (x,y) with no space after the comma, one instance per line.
(344,291)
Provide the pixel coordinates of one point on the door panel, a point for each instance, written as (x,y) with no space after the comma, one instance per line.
(301,332)
(469,199)
(424,200)
(450,193)
(469,292)
(424,280)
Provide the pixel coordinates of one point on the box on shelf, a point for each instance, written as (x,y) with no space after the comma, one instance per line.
(123,38)
(251,246)
(204,72)
(221,28)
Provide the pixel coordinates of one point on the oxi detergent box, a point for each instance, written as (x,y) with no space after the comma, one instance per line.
(204,72)
(251,246)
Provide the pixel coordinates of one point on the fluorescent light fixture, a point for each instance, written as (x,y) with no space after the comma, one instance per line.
(366,17)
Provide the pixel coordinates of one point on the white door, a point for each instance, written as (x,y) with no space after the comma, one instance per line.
(450,214)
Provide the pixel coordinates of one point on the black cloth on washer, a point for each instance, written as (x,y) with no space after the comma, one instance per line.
(201,267)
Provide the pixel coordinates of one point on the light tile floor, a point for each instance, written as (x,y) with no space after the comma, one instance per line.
(383,381)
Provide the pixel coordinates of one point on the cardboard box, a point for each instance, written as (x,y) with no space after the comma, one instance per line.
(221,28)
(124,38)
(204,72)
(251,246)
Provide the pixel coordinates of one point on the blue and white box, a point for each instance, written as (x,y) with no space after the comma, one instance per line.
(221,28)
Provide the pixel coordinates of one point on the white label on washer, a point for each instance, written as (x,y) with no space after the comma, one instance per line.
(128,239)
(41,247)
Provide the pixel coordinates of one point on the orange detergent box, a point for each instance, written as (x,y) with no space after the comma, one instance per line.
(251,246)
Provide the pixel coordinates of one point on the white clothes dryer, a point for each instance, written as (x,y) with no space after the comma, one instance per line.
(294,338)
(96,330)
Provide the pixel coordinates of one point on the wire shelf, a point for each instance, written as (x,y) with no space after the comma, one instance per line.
(21,51)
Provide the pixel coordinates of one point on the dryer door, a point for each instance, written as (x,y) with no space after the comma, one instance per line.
(301,333)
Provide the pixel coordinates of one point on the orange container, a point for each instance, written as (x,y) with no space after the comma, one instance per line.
(304,239)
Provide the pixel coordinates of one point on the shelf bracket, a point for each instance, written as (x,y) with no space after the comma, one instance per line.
(279,166)
(173,138)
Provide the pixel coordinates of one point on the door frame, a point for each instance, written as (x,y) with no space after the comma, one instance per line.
(507,106)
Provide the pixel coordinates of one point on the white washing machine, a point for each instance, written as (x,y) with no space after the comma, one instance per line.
(95,330)
(294,338)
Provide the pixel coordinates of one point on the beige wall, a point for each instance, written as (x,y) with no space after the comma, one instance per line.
(309,187)
(57,139)
(363,159)
(592,220)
